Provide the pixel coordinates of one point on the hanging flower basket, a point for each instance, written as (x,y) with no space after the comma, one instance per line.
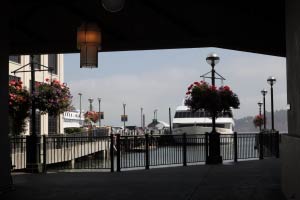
(258,120)
(19,107)
(201,95)
(52,97)
(92,116)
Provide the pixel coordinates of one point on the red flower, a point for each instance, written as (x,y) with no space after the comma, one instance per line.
(226,88)
(188,93)
(47,79)
(213,88)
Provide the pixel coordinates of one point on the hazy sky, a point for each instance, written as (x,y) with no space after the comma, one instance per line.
(159,79)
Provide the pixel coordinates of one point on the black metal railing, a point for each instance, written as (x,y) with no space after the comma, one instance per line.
(116,152)
(18,152)
(77,152)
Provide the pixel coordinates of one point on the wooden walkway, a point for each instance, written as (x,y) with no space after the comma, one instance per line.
(62,152)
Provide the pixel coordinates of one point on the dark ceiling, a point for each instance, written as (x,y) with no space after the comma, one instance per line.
(250,25)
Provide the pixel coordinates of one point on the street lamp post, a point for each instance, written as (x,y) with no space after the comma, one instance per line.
(259,106)
(124,107)
(264,92)
(80,94)
(32,152)
(214,138)
(99,101)
(142,118)
(272,80)
(213,59)
(91,103)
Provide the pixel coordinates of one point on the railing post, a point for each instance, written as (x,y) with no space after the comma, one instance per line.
(112,159)
(147,151)
(277,144)
(44,153)
(184,149)
(235,147)
(261,146)
(206,147)
(118,153)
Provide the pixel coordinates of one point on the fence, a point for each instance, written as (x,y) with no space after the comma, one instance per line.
(116,152)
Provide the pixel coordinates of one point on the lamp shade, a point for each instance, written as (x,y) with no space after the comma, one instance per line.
(212,58)
(271,80)
(113,5)
(264,92)
(88,42)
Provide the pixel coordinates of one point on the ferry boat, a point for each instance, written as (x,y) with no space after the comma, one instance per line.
(200,122)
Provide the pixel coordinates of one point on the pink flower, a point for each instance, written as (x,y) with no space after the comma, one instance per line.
(47,79)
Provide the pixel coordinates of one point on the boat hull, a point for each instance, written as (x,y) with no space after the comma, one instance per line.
(196,134)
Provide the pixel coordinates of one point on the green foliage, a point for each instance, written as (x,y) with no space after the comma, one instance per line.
(73,130)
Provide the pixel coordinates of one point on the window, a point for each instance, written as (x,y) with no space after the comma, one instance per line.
(16,59)
(36,60)
(53,125)
(52,62)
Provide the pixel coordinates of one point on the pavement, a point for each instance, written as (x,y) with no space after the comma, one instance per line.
(245,180)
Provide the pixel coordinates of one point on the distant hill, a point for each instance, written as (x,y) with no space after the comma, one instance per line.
(245,124)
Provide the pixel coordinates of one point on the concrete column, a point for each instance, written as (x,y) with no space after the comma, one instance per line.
(5,163)
(290,148)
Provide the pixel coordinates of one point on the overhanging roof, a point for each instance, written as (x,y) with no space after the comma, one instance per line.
(254,26)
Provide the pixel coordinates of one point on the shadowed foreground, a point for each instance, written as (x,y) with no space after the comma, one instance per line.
(244,180)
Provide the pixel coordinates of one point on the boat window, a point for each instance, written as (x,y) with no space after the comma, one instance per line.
(197,114)
(202,125)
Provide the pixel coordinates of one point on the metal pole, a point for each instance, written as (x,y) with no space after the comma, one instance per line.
(99,100)
(91,105)
(272,107)
(142,118)
(32,140)
(235,147)
(112,157)
(33,106)
(170,122)
(124,105)
(147,161)
(264,111)
(213,84)
(259,105)
(80,107)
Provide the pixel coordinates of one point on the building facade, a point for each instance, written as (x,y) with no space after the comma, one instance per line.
(45,124)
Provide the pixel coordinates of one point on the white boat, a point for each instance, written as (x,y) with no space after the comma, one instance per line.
(196,124)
